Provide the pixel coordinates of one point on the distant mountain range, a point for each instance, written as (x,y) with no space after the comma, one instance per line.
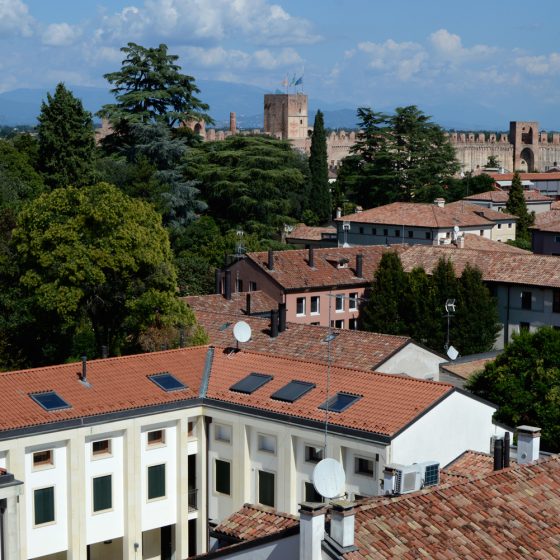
(22,106)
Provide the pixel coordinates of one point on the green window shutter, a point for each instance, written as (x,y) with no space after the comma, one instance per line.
(44,505)
(223,477)
(266,488)
(102,493)
(156,481)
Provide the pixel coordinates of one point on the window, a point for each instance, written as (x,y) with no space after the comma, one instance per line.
(557,239)
(252,286)
(251,383)
(43,505)
(315,305)
(526,300)
(481,232)
(311,495)
(353,301)
(222,479)
(222,433)
(385,232)
(103,493)
(373,231)
(300,306)
(156,437)
(524,326)
(397,233)
(340,402)
(315,323)
(339,324)
(156,482)
(510,226)
(353,324)
(49,400)
(191,430)
(101,447)
(266,443)
(339,303)
(556,301)
(363,466)
(266,488)
(239,285)
(499,226)
(43,459)
(362,230)
(410,233)
(428,235)
(313,454)
(293,391)
(167,382)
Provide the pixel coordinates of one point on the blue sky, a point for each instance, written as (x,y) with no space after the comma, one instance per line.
(486,61)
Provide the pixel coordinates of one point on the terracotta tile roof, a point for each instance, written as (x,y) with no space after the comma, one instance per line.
(548,221)
(500,196)
(460,214)
(255,521)
(512,513)
(354,349)
(292,271)
(117,384)
(480,243)
(470,465)
(260,303)
(301,231)
(465,369)
(555,205)
(555,176)
(496,266)
(388,403)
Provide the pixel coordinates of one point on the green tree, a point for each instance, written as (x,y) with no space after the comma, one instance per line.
(524,381)
(320,199)
(95,257)
(150,88)
(493,162)
(66,140)
(419,312)
(517,206)
(383,312)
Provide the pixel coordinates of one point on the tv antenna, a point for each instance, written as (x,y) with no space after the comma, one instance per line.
(329,478)
(449,312)
(241,332)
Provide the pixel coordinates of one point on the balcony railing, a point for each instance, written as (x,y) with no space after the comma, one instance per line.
(193,496)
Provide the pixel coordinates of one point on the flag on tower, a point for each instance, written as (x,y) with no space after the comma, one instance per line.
(299,81)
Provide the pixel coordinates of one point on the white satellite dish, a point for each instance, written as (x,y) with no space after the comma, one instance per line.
(242,331)
(452,352)
(329,478)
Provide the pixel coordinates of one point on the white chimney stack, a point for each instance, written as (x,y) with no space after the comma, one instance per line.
(439,202)
(311,530)
(343,519)
(528,444)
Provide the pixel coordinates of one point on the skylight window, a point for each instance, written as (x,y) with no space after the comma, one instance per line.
(251,383)
(49,400)
(167,382)
(340,402)
(292,391)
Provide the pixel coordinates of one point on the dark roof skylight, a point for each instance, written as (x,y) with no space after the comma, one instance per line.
(167,382)
(292,391)
(251,383)
(49,400)
(340,402)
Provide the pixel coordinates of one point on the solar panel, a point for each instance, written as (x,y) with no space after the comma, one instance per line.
(251,383)
(167,382)
(49,400)
(292,391)
(340,402)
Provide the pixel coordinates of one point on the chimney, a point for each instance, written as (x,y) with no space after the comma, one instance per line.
(227,285)
(311,260)
(83,377)
(439,202)
(389,480)
(461,242)
(339,212)
(498,454)
(281,317)
(359,266)
(270,259)
(273,323)
(248,304)
(343,518)
(311,530)
(232,123)
(528,444)
(507,445)
(358,210)
(218,281)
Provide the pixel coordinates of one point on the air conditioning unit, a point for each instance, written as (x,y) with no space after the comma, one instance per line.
(403,479)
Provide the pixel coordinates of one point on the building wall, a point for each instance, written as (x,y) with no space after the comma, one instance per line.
(503,232)
(247,272)
(545,242)
(412,359)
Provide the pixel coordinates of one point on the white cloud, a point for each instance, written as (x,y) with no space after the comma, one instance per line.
(14,18)
(449,46)
(60,35)
(269,60)
(404,60)
(540,65)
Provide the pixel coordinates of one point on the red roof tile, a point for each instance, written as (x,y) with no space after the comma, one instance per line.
(465,369)
(469,465)
(548,221)
(389,403)
(555,176)
(500,196)
(301,231)
(480,243)
(255,521)
(260,302)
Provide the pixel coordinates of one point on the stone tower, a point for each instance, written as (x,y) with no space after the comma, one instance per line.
(524,135)
(285,115)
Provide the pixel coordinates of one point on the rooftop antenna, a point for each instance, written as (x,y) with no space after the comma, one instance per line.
(241,332)
(455,233)
(449,312)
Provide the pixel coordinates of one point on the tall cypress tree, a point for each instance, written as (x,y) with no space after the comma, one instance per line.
(320,196)
(517,206)
(66,140)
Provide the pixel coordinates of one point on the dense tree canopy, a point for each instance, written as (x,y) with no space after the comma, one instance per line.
(66,140)
(517,205)
(524,381)
(395,157)
(320,199)
(92,260)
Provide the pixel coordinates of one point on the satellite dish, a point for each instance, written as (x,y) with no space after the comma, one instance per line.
(329,478)
(452,352)
(242,331)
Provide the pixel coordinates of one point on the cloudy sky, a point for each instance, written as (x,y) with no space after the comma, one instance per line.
(492,57)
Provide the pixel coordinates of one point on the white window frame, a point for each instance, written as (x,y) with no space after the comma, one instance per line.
(353,301)
(317,299)
(303,302)
(339,303)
